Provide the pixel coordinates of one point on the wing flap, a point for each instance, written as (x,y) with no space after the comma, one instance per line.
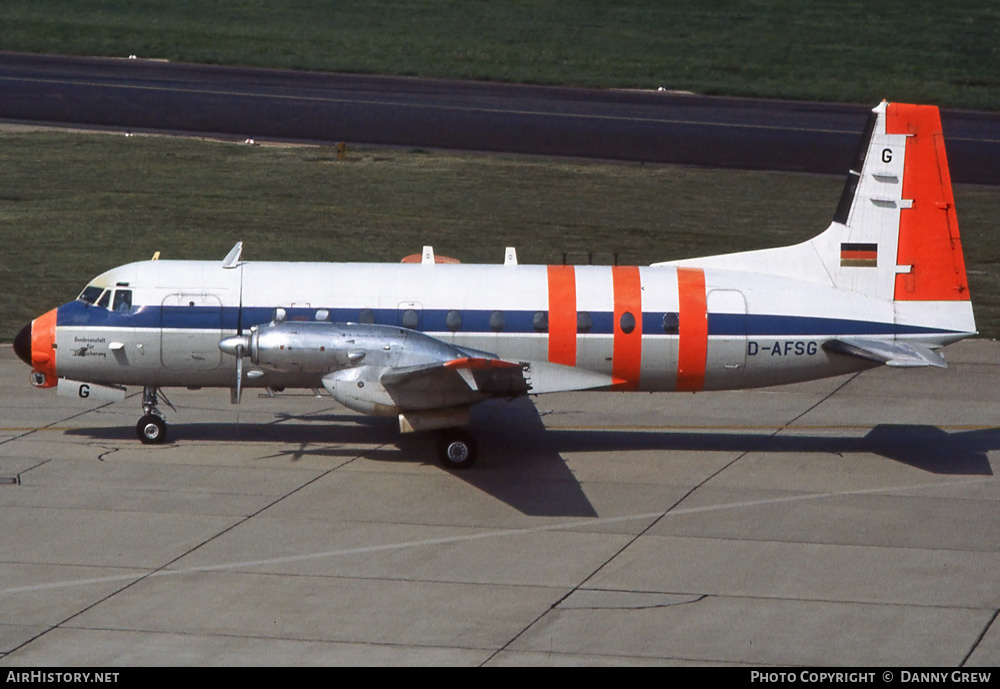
(455,382)
(470,379)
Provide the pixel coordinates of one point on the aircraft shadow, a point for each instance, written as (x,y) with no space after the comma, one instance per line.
(928,448)
(521,462)
(537,482)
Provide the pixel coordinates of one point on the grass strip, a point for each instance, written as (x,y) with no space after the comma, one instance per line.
(73,205)
(921,51)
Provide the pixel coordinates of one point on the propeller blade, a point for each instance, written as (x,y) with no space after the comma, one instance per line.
(239,376)
(237,346)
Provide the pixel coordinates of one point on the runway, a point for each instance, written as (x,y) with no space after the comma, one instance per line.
(639,126)
(851,521)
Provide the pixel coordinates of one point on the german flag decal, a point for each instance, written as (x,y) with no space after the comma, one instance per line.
(859,255)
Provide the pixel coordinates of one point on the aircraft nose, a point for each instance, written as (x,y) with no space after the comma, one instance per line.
(35,344)
(22,344)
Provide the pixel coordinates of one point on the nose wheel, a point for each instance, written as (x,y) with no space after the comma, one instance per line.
(152,428)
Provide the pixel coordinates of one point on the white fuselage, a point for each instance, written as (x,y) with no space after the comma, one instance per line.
(641,328)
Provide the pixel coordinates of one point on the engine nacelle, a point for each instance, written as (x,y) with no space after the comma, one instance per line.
(322,347)
(350,360)
(310,347)
(359,389)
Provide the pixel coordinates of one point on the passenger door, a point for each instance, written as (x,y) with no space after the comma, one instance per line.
(190,331)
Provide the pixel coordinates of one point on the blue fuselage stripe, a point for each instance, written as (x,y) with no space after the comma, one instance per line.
(473,322)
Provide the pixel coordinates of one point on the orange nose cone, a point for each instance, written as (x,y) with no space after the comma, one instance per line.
(43,350)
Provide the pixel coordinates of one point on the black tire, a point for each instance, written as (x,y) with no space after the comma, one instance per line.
(151,429)
(457,449)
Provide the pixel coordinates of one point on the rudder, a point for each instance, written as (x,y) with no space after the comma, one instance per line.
(929,242)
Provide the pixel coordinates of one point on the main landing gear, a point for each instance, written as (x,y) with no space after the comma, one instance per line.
(457,449)
(152,427)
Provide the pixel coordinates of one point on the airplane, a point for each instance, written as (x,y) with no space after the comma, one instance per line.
(884,284)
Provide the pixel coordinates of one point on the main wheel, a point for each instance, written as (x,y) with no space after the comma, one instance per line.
(151,429)
(458,449)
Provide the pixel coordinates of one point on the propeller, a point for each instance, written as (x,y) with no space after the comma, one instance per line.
(237,394)
(238,344)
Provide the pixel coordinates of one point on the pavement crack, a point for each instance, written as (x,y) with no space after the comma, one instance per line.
(603,599)
(980,638)
(107,452)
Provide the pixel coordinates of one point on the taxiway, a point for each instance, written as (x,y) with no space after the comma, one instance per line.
(852,521)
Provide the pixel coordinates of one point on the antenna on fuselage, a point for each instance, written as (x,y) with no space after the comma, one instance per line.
(232,259)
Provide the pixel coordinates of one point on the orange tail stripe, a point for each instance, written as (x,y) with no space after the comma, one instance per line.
(692,349)
(562,315)
(627,353)
(928,230)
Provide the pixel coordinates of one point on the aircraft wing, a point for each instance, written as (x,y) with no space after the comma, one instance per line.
(471,379)
(902,354)
(382,369)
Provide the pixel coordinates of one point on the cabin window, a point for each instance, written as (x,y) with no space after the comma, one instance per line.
(540,321)
(497,321)
(627,322)
(367,316)
(90,294)
(453,321)
(410,319)
(584,322)
(123,300)
(671,324)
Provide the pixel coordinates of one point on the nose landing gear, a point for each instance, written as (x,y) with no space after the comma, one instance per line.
(152,427)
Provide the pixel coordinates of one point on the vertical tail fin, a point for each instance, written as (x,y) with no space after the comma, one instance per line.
(895,233)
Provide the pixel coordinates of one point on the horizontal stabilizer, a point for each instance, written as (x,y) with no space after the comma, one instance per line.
(889,353)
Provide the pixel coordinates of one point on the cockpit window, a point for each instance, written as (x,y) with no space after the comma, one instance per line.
(105,299)
(123,300)
(90,294)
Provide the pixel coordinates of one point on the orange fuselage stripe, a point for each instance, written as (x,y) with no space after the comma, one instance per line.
(562,315)
(692,350)
(627,347)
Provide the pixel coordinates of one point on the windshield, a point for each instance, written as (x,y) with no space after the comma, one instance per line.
(90,294)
